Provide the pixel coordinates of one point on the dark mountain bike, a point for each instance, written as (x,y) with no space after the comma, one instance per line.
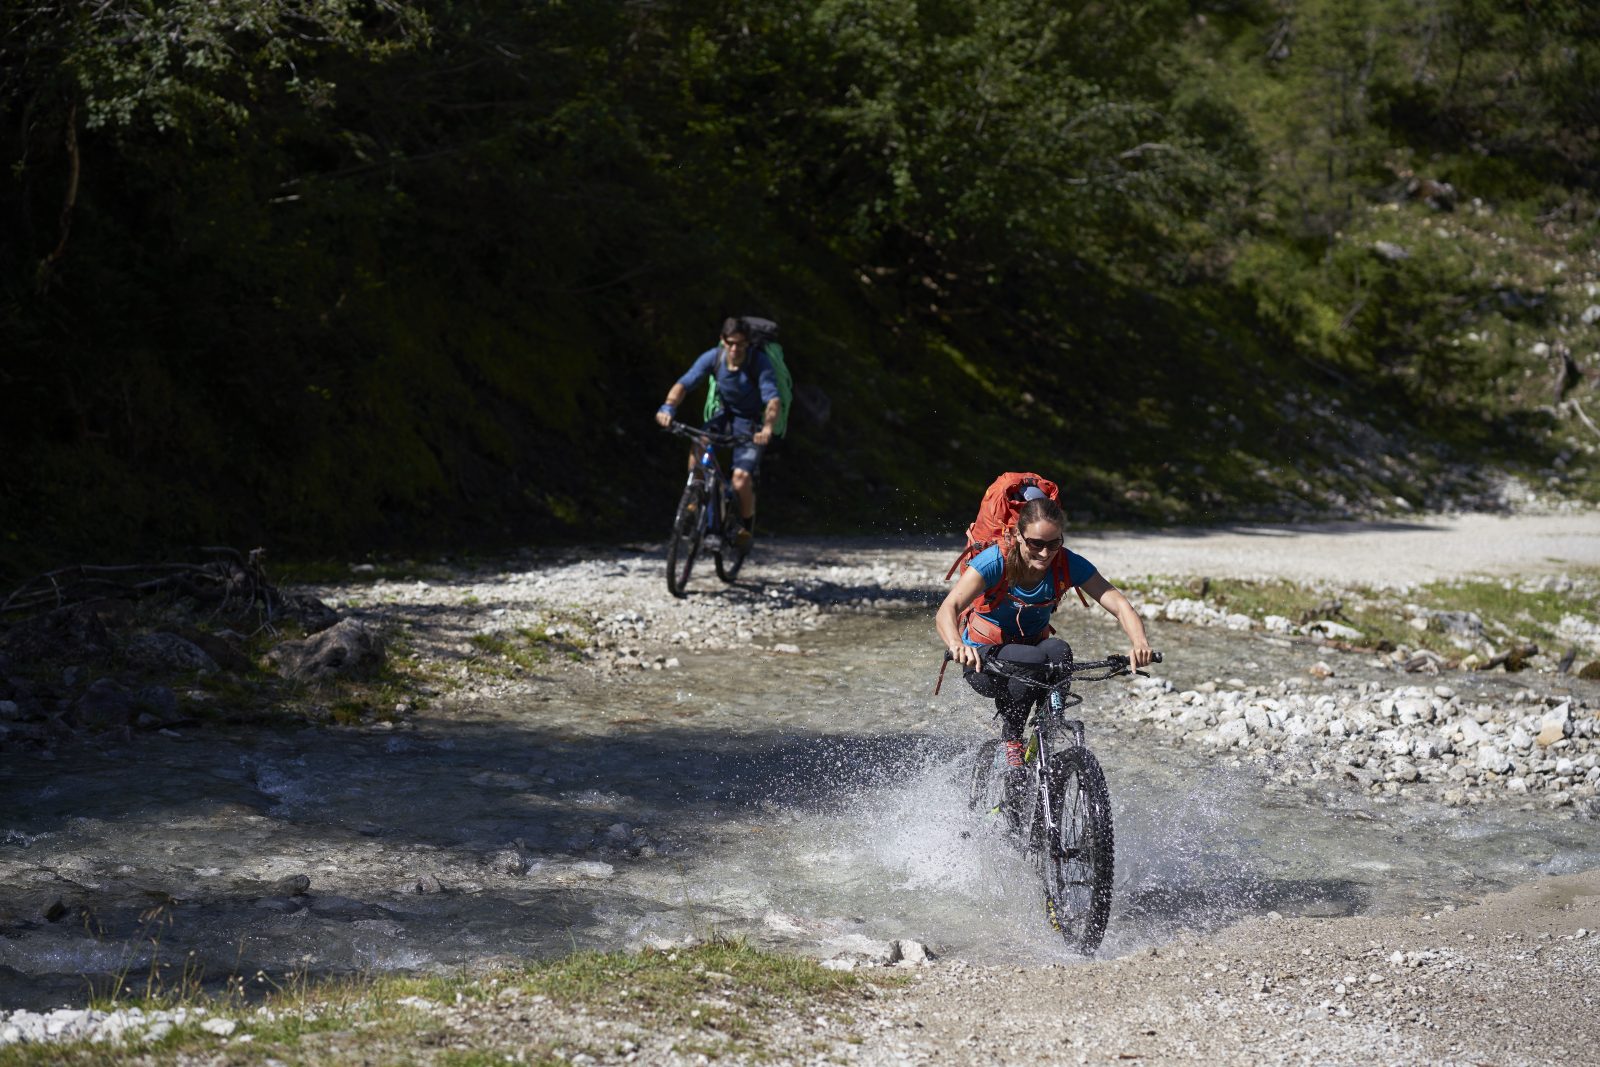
(1063,819)
(708,510)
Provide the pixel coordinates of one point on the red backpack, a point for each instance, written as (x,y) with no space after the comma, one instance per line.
(997,513)
(997,517)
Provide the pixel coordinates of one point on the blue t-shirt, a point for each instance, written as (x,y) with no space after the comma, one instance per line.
(745,392)
(1014,625)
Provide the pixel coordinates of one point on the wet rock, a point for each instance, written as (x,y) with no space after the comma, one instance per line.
(347,650)
(509,861)
(167,652)
(294,885)
(907,953)
(105,704)
(56,911)
(427,884)
(157,706)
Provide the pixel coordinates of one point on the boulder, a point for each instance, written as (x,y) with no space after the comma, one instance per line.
(227,653)
(168,652)
(104,705)
(312,614)
(72,634)
(348,649)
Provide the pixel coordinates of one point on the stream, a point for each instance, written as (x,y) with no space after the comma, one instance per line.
(811,802)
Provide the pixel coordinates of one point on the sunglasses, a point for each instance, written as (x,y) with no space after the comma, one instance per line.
(1042,544)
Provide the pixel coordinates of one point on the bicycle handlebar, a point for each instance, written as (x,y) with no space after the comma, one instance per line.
(683,429)
(1114,666)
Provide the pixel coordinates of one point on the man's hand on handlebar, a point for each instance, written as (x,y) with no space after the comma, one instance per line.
(761,437)
(664,418)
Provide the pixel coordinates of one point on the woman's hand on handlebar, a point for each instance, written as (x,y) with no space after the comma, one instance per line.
(965,655)
(1140,656)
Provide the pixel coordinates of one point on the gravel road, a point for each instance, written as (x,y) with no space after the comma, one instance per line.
(1384,554)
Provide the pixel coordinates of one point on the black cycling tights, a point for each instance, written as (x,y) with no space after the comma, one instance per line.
(1013,698)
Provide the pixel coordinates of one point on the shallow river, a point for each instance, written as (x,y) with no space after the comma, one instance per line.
(812,802)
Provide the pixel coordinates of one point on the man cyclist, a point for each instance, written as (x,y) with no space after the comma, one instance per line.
(747,389)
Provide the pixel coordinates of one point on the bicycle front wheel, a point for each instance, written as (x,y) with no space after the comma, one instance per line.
(729,556)
(1079,851)
(688,527)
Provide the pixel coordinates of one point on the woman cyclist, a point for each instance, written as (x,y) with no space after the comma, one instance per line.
(1000,608)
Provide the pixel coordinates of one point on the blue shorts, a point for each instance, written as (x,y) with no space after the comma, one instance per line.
(746,456)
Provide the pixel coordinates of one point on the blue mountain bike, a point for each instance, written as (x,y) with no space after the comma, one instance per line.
(708,513)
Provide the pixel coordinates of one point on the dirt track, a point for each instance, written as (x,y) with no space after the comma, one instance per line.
(1381,554)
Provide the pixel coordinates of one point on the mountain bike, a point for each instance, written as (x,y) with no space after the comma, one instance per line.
(708,509)
(1062,820)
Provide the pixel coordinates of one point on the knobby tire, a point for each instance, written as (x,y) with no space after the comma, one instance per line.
(984,786)
(688,528)
(1077,850)
(728,557)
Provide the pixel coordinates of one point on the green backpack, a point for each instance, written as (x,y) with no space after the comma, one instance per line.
(763,335)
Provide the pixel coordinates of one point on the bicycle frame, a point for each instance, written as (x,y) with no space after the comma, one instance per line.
(719,488)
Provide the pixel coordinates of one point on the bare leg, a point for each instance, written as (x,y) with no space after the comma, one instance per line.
(745,487)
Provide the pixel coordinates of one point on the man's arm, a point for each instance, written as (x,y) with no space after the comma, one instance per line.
(769,419)
(697,371)
(767,381)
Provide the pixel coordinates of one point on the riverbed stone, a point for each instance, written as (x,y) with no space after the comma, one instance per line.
(168,652)
(907,953)
(106,703)
(1236,731)
(1492,759)
(67,635)
(349,649)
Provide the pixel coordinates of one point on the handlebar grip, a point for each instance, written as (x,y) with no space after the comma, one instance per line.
(1155,657)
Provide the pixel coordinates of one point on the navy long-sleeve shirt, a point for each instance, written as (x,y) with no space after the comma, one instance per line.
(745,392)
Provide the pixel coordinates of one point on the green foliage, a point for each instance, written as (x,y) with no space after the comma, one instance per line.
(384,273)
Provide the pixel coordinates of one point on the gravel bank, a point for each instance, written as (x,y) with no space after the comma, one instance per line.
(1509,980)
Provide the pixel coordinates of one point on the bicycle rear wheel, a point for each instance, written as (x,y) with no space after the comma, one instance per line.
(986,791)
(1078,850)
(688,527)
(985,786)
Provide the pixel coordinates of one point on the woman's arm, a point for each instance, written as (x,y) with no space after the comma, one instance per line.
(1110,597)
(948,618)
